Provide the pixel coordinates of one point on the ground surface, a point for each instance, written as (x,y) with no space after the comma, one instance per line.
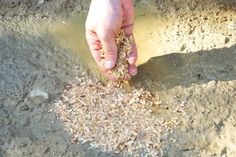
(193,67)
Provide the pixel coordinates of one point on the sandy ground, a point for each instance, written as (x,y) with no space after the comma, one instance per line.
(194,68)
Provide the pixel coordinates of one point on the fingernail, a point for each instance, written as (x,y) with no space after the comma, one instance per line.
(131,60)
(133,71)
(108,64)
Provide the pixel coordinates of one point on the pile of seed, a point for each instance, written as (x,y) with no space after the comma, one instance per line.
(112,119)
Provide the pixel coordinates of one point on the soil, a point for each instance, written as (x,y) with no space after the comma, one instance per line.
(187,56)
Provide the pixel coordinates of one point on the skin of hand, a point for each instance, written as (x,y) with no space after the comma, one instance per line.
(104,21)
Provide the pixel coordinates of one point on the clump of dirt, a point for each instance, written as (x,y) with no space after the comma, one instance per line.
(124,48)
(112,119)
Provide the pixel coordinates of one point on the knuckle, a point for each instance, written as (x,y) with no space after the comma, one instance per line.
(110,55)
(104,36)
(105,33)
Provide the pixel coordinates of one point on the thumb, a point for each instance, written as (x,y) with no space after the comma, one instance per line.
(110,50)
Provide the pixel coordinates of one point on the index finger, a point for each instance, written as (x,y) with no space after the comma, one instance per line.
(94,47)
(128,30)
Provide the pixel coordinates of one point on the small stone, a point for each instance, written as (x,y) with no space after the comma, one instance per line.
(212,84)
(227,40)
(39,93)
(40,2)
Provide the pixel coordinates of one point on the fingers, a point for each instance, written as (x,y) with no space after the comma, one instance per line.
(128,30)
(134,54)
(132,70)
(110,50)
(127,26)
(128,12)
(94,47)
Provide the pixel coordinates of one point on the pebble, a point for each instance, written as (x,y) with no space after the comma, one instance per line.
(39,93)
(40,2)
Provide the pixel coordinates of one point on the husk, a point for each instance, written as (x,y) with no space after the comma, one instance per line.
(113,119)
(124,48)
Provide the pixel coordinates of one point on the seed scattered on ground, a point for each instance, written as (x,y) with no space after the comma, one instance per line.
(113,119)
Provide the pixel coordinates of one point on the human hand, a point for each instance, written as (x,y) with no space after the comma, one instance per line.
(105,20)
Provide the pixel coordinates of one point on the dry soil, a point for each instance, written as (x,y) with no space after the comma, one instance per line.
(187,56)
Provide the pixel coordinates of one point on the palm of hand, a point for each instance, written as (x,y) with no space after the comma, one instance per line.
(105,19)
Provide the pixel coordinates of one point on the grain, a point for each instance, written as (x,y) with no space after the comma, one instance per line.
(124,48)
(113,119)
